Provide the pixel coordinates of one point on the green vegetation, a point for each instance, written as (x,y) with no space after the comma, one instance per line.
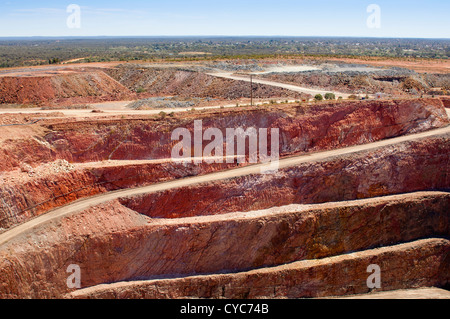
(163,114)
(54,61)
(318,97)
(44,51)
(330,96)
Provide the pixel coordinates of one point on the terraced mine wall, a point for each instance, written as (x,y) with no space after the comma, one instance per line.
(422,263)
(315,128)
(168,235)
(22,201)
(302,129)
(112,244)
(407,167)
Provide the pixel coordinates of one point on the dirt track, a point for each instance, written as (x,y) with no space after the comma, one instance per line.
(420,66)
(422,293)
(53,69)
(119,108)
(299,89)
(111,109)
(243,171)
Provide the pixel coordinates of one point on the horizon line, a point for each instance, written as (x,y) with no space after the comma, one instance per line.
(218,36)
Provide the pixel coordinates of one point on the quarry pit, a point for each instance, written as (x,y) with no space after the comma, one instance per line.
(359,182)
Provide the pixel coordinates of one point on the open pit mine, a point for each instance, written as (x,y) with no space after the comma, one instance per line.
(92,204)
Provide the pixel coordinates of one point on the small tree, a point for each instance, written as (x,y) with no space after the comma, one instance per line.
(54,61)
(330,96)
(318,97)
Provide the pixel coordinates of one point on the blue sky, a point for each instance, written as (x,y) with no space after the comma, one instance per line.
(412,18)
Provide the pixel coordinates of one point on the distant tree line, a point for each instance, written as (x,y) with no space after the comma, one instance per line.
(26,52)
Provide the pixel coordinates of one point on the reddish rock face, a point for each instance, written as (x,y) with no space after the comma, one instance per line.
(22,201)
(446,101)
(24,89)
(407,167)
(129,240)
(302,129)
(422,263)
(112,243)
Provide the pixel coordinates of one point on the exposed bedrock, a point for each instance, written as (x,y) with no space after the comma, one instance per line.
(127,239)
(112,243)
(446,101)
(423,263)
(395,169)
(302,129)
(406,167)
(21,201)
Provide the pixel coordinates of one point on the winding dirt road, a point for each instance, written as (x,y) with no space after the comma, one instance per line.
(223,175)
(291,87)
(119,108)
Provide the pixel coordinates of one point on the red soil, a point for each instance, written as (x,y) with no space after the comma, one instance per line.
(62,89)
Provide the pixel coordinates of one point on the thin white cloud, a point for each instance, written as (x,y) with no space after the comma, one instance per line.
(108,11)
(84,10)
(40,11)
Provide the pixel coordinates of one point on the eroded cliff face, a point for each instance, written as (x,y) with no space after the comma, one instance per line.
(112,243)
